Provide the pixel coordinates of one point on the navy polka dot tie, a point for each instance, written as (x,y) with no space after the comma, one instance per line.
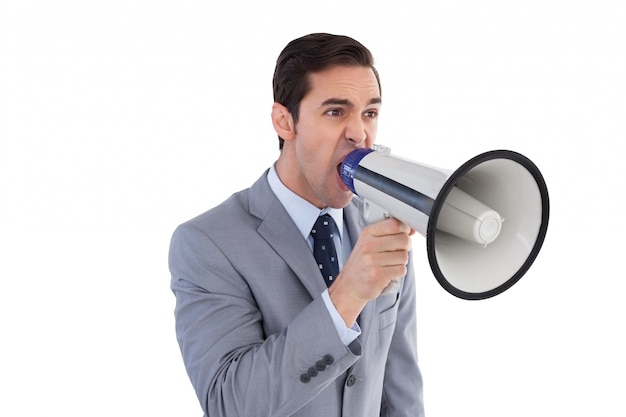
(324,247)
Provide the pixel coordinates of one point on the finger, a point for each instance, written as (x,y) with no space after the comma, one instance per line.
(389,226)
(395,258)
(397,242)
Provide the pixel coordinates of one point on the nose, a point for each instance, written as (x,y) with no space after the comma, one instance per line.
(356,132)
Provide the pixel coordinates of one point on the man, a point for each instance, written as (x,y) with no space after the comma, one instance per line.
(261,332)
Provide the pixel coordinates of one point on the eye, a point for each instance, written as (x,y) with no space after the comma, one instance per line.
(371,114)
(334,112)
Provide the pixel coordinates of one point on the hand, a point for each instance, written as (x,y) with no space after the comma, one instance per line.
(379,256)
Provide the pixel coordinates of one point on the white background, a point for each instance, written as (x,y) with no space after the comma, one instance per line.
(120,119)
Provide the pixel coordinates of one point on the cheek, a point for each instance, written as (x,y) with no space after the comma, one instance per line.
(316,144)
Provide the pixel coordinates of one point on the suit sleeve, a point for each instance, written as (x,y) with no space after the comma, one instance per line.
(234,367)
(402,387)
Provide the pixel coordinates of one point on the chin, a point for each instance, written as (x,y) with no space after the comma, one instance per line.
(342,201)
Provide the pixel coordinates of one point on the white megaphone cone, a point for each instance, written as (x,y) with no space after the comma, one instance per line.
(484,223)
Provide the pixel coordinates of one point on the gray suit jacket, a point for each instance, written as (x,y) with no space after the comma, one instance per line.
(255,335)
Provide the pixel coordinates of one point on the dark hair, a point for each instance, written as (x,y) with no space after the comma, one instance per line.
(309,54)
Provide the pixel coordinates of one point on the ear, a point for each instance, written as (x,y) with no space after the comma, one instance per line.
(283,122)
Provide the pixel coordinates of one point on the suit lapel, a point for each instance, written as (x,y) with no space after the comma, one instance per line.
(280,232)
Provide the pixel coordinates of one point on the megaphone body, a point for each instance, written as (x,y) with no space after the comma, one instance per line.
(484,223)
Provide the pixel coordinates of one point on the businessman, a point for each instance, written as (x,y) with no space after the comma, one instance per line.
(271,319)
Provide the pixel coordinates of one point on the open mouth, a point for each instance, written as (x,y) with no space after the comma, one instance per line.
(341,181)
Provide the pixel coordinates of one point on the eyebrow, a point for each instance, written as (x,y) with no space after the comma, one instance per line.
(346,102)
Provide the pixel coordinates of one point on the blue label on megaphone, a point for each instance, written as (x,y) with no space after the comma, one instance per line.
(350,164)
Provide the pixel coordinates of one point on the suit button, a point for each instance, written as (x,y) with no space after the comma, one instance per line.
(312,372)
(328,360)
(351,380)
(305,378)
(319,366)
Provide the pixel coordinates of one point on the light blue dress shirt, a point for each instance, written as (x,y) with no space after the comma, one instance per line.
(304,215)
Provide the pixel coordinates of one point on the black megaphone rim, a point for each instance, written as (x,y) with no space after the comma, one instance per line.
(441,198)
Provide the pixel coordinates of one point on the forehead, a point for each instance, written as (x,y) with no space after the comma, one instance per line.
(355,83)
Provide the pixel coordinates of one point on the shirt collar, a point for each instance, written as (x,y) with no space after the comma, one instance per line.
(303,213)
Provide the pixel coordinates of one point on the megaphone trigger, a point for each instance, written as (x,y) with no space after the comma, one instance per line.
(374,213)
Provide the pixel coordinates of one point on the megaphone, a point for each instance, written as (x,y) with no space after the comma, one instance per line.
(484,223)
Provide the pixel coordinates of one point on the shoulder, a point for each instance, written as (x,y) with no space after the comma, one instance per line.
(240,214)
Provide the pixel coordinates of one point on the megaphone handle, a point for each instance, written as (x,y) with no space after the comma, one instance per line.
(392,288)
(374,213)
